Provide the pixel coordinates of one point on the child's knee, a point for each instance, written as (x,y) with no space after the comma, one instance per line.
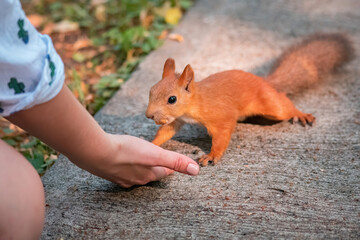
(22,201)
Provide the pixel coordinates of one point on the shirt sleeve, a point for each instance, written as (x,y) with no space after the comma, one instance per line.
(31,72)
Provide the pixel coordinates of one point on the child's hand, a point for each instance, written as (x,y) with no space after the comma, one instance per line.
(134,161)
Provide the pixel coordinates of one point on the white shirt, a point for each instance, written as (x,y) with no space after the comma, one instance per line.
(31,72)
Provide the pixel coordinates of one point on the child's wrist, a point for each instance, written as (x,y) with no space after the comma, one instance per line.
(95,154)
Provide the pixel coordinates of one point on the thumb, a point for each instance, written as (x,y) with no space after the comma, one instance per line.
(177,162)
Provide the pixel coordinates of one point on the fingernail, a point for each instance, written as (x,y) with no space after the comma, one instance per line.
(192,169)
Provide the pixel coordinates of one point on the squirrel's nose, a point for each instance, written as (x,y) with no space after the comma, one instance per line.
(149,116)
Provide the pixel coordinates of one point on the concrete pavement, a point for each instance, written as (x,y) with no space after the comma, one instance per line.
(278,181)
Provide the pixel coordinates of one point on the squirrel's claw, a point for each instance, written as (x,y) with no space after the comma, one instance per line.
(205,159)
(304,119)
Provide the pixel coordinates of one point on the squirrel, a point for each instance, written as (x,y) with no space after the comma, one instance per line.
(220,100)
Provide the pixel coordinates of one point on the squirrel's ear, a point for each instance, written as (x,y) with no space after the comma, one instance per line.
(187,78)
(169,68)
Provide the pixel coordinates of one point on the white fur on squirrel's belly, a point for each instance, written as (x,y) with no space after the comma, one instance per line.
(241,118)
(189,120)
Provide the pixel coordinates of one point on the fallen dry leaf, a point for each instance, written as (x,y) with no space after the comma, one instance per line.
(89,97)
(97,2)
(66,26)
(81,43)
(84,88)
(176,37)
(163,34)
(102,49)
(100,13)
(89,54)
(146,19)
(173,15)
(130,55)
(106,67)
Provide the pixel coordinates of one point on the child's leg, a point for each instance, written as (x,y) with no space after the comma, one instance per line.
(22,202)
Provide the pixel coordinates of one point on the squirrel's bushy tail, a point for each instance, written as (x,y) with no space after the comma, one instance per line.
(308,62)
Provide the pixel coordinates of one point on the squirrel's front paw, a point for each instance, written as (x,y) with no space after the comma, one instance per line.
(205,159)
(304,119)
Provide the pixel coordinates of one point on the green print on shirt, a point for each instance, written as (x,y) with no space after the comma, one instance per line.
(23,34)
(52,68)
(17,86)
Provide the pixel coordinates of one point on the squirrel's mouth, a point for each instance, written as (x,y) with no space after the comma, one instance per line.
(162,122)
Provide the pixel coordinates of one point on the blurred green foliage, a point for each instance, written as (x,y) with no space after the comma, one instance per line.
(129,29)
(124,30)
(39,154)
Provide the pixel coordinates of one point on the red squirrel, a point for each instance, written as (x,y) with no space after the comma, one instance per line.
(218,101)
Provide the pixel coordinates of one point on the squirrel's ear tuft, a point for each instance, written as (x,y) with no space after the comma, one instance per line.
(187,78)
(169,68)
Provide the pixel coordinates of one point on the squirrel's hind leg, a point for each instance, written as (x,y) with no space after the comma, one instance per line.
(281,108)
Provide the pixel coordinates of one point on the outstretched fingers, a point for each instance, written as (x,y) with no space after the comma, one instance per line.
(148,154)
(175,161)
(178,162)
(141,162)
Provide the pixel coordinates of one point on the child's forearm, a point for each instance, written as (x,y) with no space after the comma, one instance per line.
(66,126)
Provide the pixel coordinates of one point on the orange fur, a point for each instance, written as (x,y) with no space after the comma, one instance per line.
(218,101)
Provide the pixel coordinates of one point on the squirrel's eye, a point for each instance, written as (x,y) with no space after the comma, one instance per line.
(172,100)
